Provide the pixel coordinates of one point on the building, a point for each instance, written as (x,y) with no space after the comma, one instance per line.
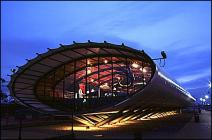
(87,79)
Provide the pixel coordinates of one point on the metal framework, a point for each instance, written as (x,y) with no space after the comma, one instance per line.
(92,77)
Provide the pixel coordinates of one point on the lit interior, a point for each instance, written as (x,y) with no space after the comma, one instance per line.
(96,78)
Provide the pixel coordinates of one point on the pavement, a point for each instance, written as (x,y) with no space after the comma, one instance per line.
(179,127)
(190,130)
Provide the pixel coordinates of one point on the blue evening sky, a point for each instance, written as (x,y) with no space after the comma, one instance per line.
(182,29)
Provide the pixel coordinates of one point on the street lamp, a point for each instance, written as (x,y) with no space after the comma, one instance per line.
(206,96)
(203,101)
(209,84)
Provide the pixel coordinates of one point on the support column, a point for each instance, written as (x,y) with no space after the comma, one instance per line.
(64,68)
(127,76)
(142,65)
(54,86)
(86,80)
(73,102)
(75,79)
(112,73)
(99,90)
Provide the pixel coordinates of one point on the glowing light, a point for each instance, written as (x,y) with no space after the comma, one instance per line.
(98,135)
(125,111)
(144,70)
(80,128)
(203,100)
(92,80)
(135,110)
(101,113)
(200,99)
(209,84)
(135,65)
(105,61)
(206,96)
(88,71)
(105,86)
(92,90)
(89,62)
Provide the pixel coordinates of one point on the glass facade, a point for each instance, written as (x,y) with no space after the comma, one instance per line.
(96,78)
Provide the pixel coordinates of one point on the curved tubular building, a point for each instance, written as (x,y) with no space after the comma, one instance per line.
(90,78)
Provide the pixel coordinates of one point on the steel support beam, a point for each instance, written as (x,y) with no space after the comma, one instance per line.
(64,69)
(86,76)
(127,76)
(112,74)
(99,90)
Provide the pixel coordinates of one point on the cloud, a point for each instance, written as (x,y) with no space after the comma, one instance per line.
(196,87)
(195,76)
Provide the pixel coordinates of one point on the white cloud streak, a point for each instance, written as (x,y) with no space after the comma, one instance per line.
(195,76)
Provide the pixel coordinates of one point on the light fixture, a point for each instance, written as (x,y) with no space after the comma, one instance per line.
(88,71)
(200,99)
(206,96)
(144,69)
(209,84)
(92,90)
(105,61)
(203,100)
(89,62)
(104,86)
(135,65)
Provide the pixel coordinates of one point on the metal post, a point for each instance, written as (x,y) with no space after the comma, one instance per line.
(64,69)
(73,103)
(112,74)
(74,78)
(142,65)
(54,86)
(86,80)
(127,76)
(98,80)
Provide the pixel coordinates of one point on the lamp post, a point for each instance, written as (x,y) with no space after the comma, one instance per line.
(201,101)
(206,97)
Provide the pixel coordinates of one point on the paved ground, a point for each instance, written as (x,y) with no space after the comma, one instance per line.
(181,127)
(190,130)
